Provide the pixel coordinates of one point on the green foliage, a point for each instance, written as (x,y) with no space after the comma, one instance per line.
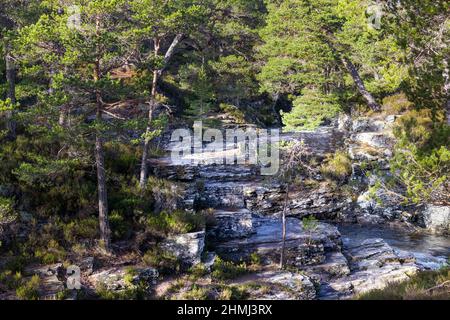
(163,261)
(310,223)
(53,253)
(338,166)
(120,227)
(255,259)
(176,222)
(196,293)
(226,270)
(197,80)
(236,79)
(421,162)
(198,271)
(310,110)
(131,293)
(11,280)
(29,289)
(233,111)
(396,104)
(234,293)
(80,229)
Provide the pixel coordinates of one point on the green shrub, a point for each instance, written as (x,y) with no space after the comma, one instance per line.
(196,293)
(226,270)
(17,263)
(120,227)
(198,271)
(29,290)
(10,279)
(81,229)
(421,161)
(176,222)
(234,293)
(162,260)
(310,223)
(396,104)
(233,111)
(310,110)
(338,166)
(53,253)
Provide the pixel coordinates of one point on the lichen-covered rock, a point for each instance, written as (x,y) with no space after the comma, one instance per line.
(231,224)
(123,278)
(188,248)
(291,286)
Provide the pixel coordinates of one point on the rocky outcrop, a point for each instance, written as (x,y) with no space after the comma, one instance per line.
(373,265)
(320,201)
(302,247)
(436,218)
(188,248)
(231,224)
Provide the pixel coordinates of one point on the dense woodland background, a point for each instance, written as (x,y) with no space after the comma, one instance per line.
(84,101)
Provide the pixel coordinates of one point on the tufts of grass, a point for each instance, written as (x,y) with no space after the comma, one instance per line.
(227,270)
(428,285)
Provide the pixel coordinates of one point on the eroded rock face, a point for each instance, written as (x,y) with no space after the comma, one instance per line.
(188,248)
(437,218)
(302,247)
(320,201)
(231,224)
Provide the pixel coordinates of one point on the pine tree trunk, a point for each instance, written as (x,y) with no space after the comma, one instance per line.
(145,152)
(105,232)
(372,103)
(11,94)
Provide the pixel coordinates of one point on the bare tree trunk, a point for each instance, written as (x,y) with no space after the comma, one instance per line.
(145,153)
(11,94)
(373,104)
(156,74)
(170,52)
(283,245)
(62,116)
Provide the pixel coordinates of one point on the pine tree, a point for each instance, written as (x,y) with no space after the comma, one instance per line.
(318,45)
(79,59)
